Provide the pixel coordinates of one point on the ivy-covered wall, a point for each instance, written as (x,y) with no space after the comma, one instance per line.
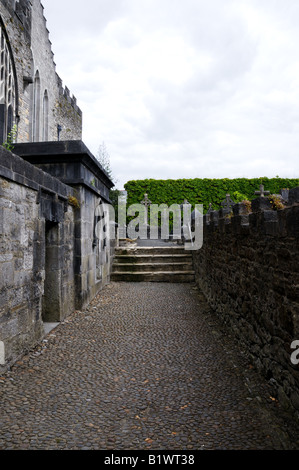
(203,191)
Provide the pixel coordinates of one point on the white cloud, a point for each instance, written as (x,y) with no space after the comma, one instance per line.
(183,89)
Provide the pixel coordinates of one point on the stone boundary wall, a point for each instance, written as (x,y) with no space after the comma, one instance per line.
(52,261)
(248,270)
(36,254)
(16,169)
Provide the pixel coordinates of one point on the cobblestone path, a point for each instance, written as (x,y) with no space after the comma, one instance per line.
(144,367)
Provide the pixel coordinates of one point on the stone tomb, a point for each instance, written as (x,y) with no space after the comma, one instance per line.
(50,260)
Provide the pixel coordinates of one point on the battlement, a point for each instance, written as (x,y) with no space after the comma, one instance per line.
(65,92)
(247,269)
(274,215)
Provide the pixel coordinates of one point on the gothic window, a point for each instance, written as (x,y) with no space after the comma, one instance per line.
(36,108)
(45,117)
(7,88)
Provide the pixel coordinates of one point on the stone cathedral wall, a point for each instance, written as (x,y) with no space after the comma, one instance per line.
(25,26)
(51,261)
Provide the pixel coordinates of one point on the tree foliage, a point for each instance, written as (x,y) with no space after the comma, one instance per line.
(103,158)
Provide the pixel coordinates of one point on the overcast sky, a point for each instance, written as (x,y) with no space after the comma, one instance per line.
(183,88)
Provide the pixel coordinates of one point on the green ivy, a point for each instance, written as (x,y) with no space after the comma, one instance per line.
(203,191)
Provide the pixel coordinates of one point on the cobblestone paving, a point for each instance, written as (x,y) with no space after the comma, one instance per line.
(145,366)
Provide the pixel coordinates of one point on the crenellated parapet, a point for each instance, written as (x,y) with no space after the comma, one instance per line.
(267,212)
(248,271)
(65,92)
(37,103)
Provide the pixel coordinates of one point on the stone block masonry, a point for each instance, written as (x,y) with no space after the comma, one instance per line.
(32,203)
(248,269)
(50,261)
(72,163)
(37,102)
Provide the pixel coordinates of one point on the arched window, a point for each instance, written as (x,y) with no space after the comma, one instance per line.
(36,108)
(46,117)
(7,87)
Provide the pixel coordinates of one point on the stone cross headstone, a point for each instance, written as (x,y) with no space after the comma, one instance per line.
(210,208)
(227,203)
(146,202)
(262,192)
(261,203)
(207,216)
(185,203)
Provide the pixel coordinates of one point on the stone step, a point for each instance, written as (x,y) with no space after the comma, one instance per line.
(174,276)
(158,250)
(151,267)
(152,264)
(154,258)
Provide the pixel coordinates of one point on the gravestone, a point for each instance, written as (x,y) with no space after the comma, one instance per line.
(146,203)
(284,195)
(293,196)
(262,192)
(261,203)
(227,205)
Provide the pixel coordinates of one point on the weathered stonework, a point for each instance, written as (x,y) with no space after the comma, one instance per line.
(51,261)
(72,163)
(23,192)
(41,101)
(248,269)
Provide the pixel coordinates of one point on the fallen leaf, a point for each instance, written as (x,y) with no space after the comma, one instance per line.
(148,440)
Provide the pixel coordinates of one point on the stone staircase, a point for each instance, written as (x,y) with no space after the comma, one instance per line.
(152,264)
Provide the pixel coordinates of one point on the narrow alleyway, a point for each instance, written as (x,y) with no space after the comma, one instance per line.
(145,366)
